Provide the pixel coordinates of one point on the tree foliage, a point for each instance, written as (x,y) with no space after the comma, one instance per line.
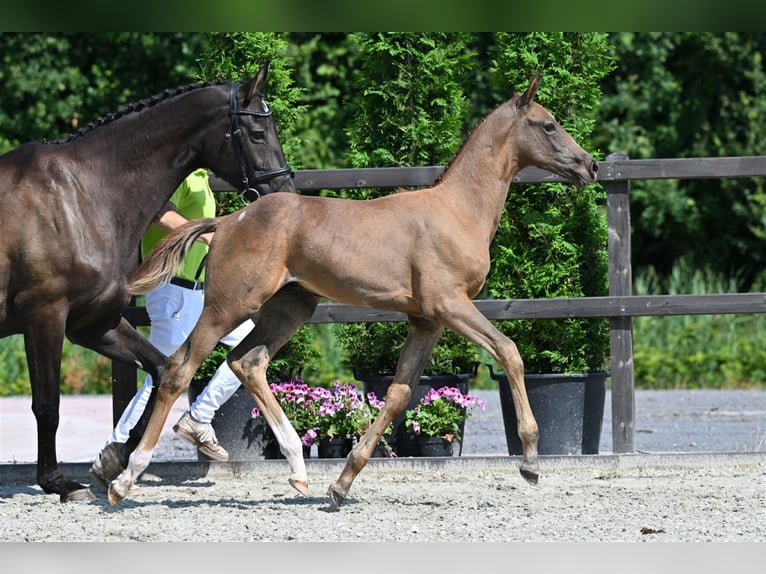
(700,94)
(54,84)
(551,241)
(402,117)
(413,96)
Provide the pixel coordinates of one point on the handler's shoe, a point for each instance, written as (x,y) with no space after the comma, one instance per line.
(201,435)
(107,465)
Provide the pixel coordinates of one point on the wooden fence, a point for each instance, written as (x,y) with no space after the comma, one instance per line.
(620,306)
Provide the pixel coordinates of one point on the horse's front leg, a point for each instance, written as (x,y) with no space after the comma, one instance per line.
(467,321)
(43,341)
(421,338)
(251,370)
(121,342)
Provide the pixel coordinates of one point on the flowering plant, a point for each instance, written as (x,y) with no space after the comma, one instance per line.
(342,412)
(440,413)
(317,412)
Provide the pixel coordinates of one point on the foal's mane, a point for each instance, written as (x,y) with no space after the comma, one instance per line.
(137,107)
(467,139)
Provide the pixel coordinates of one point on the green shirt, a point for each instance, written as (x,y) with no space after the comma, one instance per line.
(193,199)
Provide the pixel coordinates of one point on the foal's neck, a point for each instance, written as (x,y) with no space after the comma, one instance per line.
(481,172)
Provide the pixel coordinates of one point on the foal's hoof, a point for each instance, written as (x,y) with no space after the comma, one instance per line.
(80,495)
(337,496)
(119,490)
(300,485)
(114,497)
(530,474)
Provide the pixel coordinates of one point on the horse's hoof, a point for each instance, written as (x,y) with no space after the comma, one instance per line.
(300,485)
(337,496)
(114,497)
(118,491)
(80,495)
(531,475)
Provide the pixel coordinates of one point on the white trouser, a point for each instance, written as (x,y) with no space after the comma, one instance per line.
(173,312)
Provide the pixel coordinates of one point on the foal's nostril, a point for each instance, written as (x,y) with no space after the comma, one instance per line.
(594,167)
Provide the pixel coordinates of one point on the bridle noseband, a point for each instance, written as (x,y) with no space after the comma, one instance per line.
(245,165)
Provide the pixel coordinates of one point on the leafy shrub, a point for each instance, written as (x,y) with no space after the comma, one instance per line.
(404,118)
(551,241)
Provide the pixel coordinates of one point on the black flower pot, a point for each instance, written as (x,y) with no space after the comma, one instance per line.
(569,410)
(334,447)
(434,446)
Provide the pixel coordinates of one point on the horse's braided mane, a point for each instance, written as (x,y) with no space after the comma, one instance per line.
(136,107)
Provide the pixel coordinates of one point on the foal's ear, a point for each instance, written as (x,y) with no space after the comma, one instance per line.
(529,95)
(256,85)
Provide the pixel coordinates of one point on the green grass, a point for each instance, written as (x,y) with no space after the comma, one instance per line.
(697,351)
(82,371)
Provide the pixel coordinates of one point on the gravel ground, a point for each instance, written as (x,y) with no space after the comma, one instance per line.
(629,498)
(675,489)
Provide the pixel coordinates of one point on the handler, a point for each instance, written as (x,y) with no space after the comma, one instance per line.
(174,309)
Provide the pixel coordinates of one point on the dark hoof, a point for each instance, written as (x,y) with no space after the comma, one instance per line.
(337,496)
(80,495)
(108,465)
(531,476)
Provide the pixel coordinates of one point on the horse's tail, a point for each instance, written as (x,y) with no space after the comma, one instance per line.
(168,256)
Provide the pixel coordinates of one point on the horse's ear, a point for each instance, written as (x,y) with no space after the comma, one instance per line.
(530,94)
(256,85)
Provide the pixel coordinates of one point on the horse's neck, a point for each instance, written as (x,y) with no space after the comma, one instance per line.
(149,155)
(477,179)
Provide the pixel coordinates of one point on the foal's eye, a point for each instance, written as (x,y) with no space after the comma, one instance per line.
(256,137)
(549,127)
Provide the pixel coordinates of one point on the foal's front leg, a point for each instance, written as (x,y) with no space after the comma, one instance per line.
(251,370)
(467,321)
(417,349)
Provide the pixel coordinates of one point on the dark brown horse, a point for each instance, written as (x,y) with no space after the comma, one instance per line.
(72,215)
(424,253)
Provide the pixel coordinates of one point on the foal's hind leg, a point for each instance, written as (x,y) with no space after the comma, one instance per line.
(280,317)
(421,338)
(465,319)
(179,369)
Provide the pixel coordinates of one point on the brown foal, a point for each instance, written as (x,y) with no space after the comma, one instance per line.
(424,253)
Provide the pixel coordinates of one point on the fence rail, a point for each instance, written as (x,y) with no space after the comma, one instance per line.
(615,173)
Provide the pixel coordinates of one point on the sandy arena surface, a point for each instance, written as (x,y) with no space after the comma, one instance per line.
(676,488)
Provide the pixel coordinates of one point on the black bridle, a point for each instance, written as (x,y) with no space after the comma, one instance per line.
(245,165)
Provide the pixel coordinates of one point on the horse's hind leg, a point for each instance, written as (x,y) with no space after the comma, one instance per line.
(123,343)
(43,340)
(421,338)
(280,317)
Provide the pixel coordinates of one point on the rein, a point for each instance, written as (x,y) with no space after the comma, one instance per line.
(245,165)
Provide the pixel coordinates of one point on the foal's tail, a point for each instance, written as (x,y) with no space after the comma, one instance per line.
(168,256)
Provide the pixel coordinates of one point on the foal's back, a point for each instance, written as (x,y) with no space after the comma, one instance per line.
(384,252)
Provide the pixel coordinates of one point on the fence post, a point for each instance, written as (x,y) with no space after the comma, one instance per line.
(621,328)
